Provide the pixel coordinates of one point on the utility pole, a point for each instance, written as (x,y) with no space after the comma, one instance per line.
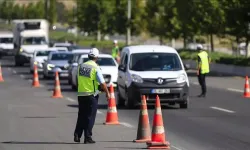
(128,38)
(46,9)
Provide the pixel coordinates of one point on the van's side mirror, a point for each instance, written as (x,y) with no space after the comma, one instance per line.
(122,67)
(186,66)
(45,60)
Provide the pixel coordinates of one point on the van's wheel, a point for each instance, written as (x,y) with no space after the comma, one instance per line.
(129,101)
(184,105)
(120,100)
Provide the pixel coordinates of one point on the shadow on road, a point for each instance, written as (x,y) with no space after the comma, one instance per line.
(63,90)
(150,107)
(211,74)
(124,148)
(40,117)
(52,83)
(19,142)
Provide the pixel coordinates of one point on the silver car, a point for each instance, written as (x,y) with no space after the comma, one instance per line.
(57,61)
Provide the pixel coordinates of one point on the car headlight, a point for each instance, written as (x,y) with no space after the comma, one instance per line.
(21,50)
(182,78)
(66,66)
(136,78)
(50,66)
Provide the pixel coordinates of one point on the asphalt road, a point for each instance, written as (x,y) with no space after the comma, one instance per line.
(31,119)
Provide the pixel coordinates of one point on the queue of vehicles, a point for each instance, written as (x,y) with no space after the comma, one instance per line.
(144,69)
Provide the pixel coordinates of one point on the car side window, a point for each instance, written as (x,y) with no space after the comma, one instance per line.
(122,58)
(126,60)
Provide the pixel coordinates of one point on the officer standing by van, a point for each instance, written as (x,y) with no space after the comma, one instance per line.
(89,78)
(202,69)
(115,51)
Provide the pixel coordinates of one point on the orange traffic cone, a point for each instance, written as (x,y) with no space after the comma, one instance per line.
(35,78)
(1,76)
(246,89)
(143,130)
(112,116)
(158,133)
(57,91)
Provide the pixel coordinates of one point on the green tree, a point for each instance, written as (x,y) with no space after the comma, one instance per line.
(237,20)
(52,12)
(94,16)
(6,10)
(186,16)
(138,22)
(162,19)
(210,17)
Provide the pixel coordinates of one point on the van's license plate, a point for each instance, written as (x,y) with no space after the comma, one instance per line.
(160,91)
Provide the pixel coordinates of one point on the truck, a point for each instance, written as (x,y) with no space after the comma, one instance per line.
(6,43)
(29,35)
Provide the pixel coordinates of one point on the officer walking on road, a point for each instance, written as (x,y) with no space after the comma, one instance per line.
(115,51)
(89,78)
(202,69)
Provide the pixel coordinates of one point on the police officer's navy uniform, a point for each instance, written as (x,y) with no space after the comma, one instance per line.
(203,61)
(87,100)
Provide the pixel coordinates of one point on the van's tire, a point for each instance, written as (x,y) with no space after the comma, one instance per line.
(120,100)
(184,105)
(129,102)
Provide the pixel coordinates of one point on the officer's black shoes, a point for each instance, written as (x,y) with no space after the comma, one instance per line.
(202,95)
(76,139)
(89,141)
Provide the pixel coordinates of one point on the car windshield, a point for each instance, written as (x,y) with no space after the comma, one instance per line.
(155,62)
(62,56)
(43,53)
(34,41)
(103,61)
(6,40)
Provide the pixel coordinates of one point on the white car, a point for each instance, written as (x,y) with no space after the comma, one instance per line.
(108,66)
(38,57)
(152,70)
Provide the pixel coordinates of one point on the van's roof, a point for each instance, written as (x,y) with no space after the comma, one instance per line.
(149,48)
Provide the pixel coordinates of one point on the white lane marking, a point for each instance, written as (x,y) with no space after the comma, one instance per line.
(99,112)
(22,76)
(177,148)
(222,109)
(30,80)
(196,83)
(70,99)
(235,90)
(126,124)
(14,71)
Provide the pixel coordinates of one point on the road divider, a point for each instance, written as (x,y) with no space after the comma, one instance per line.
(1,74)
(57,89)
(35,82)
(222,109)
(112,115)
(70,99)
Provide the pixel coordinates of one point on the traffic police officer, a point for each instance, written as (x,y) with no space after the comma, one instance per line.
(115,51)
(202,69)
(89,78)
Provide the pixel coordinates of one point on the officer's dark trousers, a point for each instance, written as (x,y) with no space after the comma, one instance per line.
(87,106)
(202,81)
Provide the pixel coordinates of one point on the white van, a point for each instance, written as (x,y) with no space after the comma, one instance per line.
(6,44)
(152,70)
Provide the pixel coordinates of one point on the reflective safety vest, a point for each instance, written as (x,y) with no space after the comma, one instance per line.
(115,52)
(204,62)
(87,81)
